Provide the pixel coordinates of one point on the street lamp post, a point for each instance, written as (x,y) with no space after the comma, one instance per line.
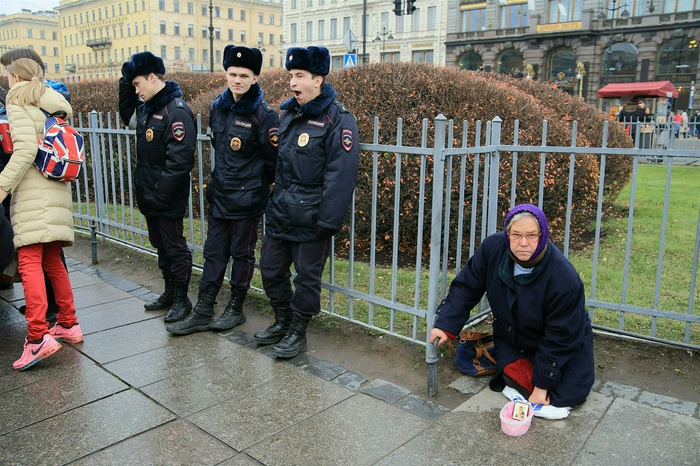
(624,15)
(384,35)
(211,37)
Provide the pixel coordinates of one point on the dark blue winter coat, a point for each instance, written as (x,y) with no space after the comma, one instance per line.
(316,169)
(544,320)
(244,136)
(166,139)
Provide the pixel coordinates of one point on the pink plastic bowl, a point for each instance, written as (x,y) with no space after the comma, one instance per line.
(514,427)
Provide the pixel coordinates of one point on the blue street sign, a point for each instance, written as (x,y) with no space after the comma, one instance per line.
(349,60)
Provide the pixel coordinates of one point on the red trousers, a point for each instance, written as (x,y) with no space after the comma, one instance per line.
(33,261)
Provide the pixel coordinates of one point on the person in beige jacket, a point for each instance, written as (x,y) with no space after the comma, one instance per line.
(40,212)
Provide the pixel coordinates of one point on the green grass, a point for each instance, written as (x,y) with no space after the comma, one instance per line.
(678,248)
(675,274)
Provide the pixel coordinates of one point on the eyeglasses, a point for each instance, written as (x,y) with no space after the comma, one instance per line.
(530,237)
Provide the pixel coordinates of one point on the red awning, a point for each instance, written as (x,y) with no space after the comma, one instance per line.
(648,89)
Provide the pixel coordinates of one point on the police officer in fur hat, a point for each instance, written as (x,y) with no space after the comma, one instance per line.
(165,143)
(315,179)
(244,129)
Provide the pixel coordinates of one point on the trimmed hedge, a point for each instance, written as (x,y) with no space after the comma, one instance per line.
(414,92)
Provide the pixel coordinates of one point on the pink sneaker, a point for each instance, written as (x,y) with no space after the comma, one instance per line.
(35,352)
(68,335)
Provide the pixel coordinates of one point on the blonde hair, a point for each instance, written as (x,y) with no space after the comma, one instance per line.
(26,69)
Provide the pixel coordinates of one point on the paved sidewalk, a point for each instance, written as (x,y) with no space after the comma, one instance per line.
(131,394)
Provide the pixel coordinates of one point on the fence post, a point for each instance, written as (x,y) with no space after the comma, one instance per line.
(431,358)
(494,170)
(96,157)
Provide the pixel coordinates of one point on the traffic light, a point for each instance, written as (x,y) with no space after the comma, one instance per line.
(409,7)
(398,7)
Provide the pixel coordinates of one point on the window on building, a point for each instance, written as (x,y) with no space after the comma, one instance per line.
(293,32)
(510,62)
(309,30)
(399,24)
(336,62)
(204,9)
(619,63)
(564,11)
(176,6)
(229,13)
(346,25)
(243,37)
(272,60)
(230,35)
(677,57)
(190,30)
(176,29)
(415,20)
(272,39)
(272,18)
(42,34)
(242,15)
(30,33)
(334,28)
(162,27)
(204,32)
(190,8)
(177,53)
(321,29)
(190,54)
(473,19)
(161,5)
(422,56)
(217,33)
(136,29)
(217,56)
(128,30)
(144,27)
(513,15)
(164,52)
(127,12)
(57,68)
(562,60)
(43,50)
(293,5)
(309,3)
(432,17)
(54,35)
(99,14)
(217,12)
(261,18)
(205,55)
(471,61)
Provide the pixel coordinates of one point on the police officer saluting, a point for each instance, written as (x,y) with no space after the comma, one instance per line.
(165,144)
(315,179)
(244,134)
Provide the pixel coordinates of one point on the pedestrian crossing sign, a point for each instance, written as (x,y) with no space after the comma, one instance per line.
(349,60)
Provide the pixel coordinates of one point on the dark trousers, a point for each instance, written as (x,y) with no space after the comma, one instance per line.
(309,259)
(174,257)
(226,239)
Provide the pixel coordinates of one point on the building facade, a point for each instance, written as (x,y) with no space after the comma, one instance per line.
(36,30)
(97,36)
(580,45)
(385,36)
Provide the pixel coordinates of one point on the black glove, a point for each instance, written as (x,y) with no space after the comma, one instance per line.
(159,206)
(322,232)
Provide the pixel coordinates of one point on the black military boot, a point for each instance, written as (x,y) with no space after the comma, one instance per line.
(165,300)
(295,341)
(233,314)
(199,319)
(181,305)
(275,332)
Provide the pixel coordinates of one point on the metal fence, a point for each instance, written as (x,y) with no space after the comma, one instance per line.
(453,201)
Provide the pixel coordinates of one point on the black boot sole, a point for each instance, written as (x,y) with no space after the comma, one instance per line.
(168,318)
(288,354)
(150,307)
(269,340)
(189,330)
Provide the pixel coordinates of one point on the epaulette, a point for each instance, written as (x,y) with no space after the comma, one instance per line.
(343,108)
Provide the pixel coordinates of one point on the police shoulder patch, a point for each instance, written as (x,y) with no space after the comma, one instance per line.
(178,129)
(346,139)
(273,136)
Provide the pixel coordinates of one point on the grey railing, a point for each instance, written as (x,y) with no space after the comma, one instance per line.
(398,293)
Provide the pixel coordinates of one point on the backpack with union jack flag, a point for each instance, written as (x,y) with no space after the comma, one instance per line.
(61,149)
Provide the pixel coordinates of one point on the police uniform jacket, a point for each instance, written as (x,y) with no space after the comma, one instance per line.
(244,135)
(316,169)
(541,317)
(165,143)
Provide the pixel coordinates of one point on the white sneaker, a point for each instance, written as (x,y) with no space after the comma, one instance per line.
(545,412)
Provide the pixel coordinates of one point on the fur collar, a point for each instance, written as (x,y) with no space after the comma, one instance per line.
(161,99)
(316,106)
(247,105)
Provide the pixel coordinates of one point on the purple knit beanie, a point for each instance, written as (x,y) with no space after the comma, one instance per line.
(541,219)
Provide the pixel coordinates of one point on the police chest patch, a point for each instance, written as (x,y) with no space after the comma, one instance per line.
(243,124)
(318,124)
(273,137)
(178,130)
(346,139)
(157,117)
